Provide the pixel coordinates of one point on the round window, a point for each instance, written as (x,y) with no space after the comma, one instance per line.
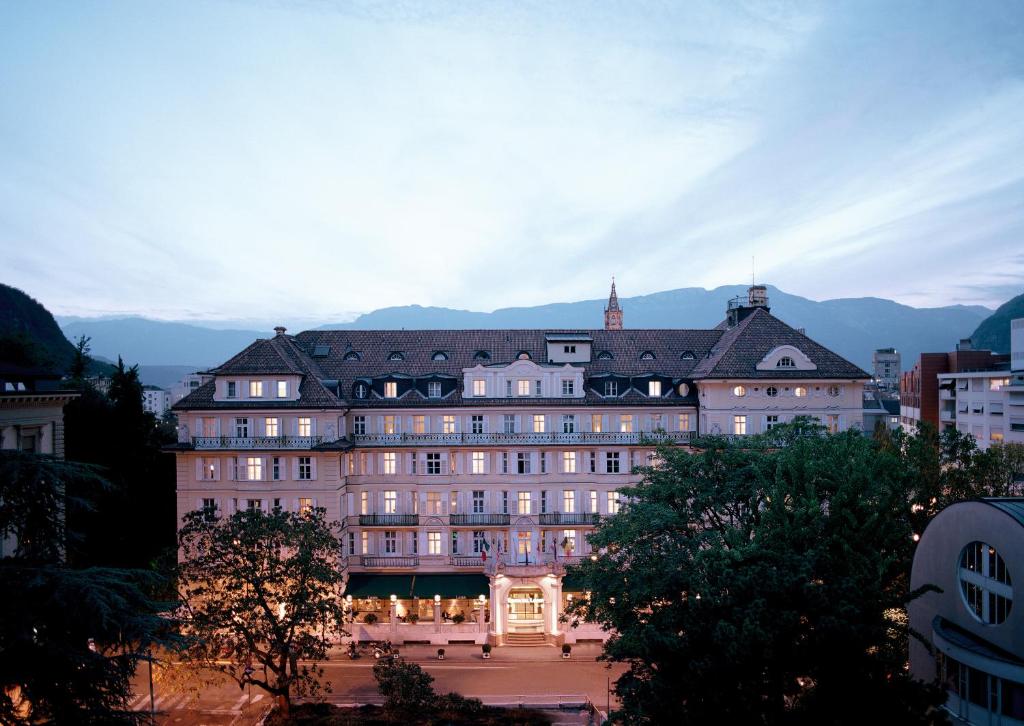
(739,391)
(833,391)
(772,391)
(800,392)
(985,583)
(684,390)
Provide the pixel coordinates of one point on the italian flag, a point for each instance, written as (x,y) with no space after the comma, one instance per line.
(485,546)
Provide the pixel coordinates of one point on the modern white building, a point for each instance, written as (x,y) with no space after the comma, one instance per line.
(187,385)
(471,464)
(987,404)
(155,400)
(973,553)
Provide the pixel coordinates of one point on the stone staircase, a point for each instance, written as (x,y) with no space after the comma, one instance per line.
(525,639)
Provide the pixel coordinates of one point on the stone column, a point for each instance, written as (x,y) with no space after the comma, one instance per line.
(437,615)
(394,621)
(497,612)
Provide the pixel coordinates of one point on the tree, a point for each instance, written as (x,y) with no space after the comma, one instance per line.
(406,688)
(80,362)
(261,589)
(51,613)
(762,582)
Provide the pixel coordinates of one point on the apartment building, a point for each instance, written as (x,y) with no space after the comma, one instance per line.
(468,466)
(155,400)
(886,364)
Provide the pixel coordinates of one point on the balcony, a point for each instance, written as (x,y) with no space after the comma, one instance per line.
(500,520)
(256,442)
(589,519)
(389,520)
(474,561)
(389,561)
(547,439)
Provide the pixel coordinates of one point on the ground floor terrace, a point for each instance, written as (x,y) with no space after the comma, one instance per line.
(513,604)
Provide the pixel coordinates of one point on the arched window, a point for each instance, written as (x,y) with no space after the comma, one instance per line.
(688,355)
(523,355)
(396,356)
(481,355)
(739,391)
(785,362)
(351,355)
(772,391)
(604,355)
(800,392)
(985,583)
(647,355)
(361,390)
(439,355)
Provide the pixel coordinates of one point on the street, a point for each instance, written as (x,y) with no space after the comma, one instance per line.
(531,676)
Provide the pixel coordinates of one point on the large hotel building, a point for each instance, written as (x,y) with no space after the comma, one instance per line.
(468,466)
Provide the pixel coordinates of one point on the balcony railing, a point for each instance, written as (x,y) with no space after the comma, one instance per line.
(466,561)
(559,518)
(385,561)
(480,519)
(389,520)
(528,439)
(256,442)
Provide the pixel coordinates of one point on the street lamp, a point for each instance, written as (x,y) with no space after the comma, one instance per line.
(437,599)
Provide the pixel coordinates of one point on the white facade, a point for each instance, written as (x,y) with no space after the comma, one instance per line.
(988,405)
(156,400)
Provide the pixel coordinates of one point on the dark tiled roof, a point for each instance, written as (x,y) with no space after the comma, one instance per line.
(263,356)
(742,347)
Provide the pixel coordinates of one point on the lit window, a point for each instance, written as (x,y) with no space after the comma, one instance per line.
(739,391)
(626,423)
(568,501)
(255,389)
(593,502)
(270,426)
(785,362)
(684,422)
(985,583)
(364,502)
(479,387)
(433,389)
(478,459)
(524,502)
(739,425)
(800,392)
(832,422)
(282,389)
(305,505)
(390,462)
(568,387)
(596,423)
(433,543)
(771,391)
(613,502)
(419,425)
(538,423)
(305,426)
(364,542)
(569,541)
(654,388)
(390,502)
(433,503)
(448,424)
(996,384)
(391,424)
(523,387)
(305,468)
(254,468)
(390,389)
(569,462)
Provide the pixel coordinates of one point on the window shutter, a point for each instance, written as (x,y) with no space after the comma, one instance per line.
(295,505)
(197,427)
(199,468)
(312,467)
(519,424)
(295,467)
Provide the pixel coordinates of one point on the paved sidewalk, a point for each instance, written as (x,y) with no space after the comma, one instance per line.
(582,652)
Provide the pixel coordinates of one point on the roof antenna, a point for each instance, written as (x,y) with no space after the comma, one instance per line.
(752,283)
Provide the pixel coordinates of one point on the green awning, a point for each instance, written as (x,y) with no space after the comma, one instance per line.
(449,586)
(362,585)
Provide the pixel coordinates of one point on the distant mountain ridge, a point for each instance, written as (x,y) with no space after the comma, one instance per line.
(852,327)
(994,332)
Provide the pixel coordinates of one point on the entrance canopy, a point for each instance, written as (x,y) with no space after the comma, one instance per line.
(364,585)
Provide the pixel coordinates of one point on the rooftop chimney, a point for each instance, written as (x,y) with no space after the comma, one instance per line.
(280,329)
(757,296)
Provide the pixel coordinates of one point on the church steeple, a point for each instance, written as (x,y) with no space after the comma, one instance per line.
(613,313)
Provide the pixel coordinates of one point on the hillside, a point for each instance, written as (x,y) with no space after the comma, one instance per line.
(853,327)
(28,332)
(994,331)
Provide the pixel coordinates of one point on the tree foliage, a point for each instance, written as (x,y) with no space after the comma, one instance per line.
(50,612)
(765,581)
(406,687)
(261,590)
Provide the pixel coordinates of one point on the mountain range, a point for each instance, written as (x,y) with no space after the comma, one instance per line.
(852,327)
(994,331)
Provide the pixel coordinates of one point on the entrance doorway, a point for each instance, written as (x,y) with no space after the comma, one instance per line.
(525,610)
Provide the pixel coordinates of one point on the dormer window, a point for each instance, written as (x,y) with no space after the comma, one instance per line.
(396,356)
(351,355)
(654,389)
(434,389)
(688,355)
(255,389)
(786,362)
(232,389)
(647,355)
(439,356)
(282,389)
(481,355)
(523,355)
(390,389)
(739,391)
(523,387)
(569,348)
(611,388)
(568,387)
(360,390)
(604,355)
(479,387)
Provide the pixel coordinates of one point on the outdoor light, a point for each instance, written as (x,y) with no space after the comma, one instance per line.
(348,598)
(437,598)
(568,597)
(916,537)
(394,598)
(698,596)
(593,558)
(483,598)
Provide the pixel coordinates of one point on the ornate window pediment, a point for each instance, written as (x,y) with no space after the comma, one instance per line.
(786,358)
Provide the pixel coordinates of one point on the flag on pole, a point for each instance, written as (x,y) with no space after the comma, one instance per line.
(484,546)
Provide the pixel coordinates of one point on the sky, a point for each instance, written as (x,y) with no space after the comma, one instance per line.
(309,159)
